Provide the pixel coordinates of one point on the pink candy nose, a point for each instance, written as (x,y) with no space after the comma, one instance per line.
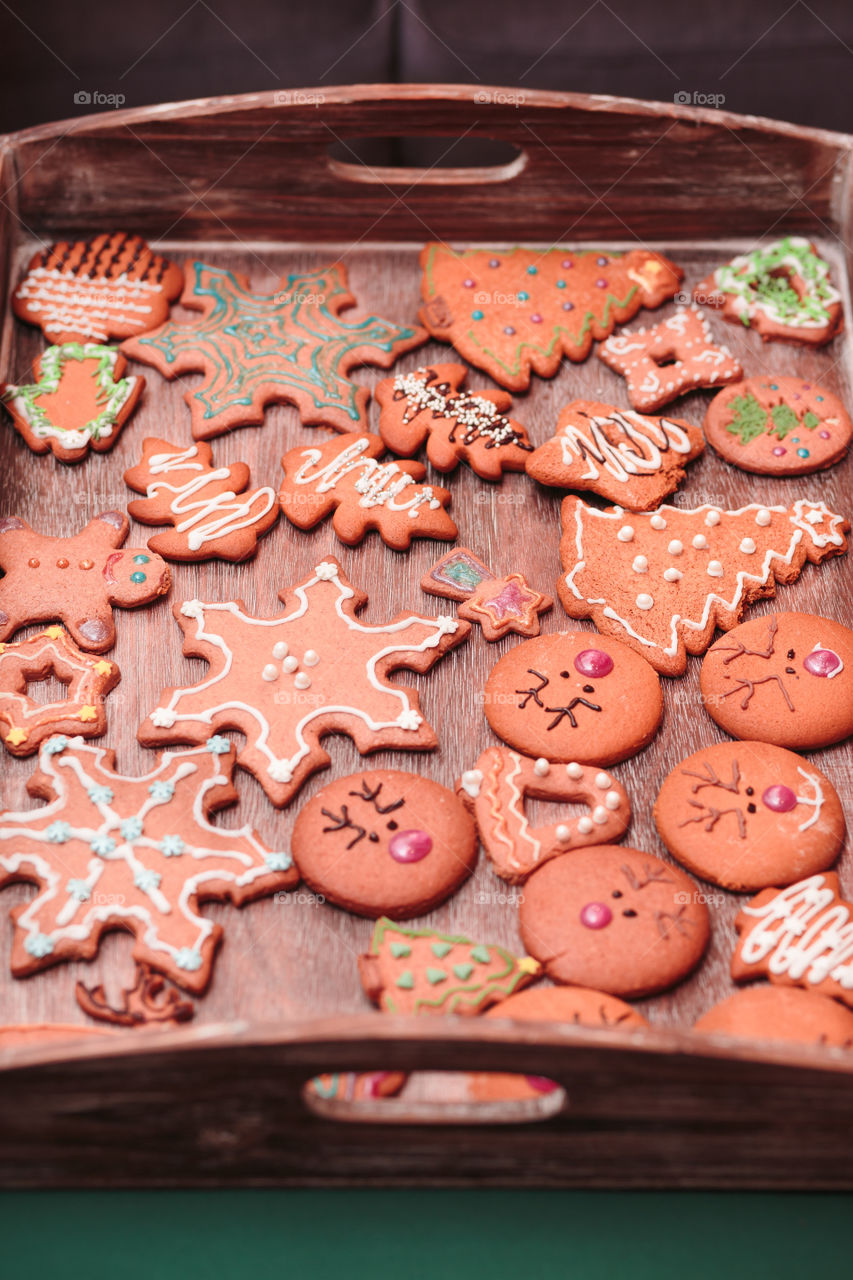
(595,915)
(594,662)
(779,798)
(409,846)
(822,662)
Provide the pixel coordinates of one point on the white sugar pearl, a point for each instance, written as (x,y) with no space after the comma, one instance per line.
(574,770)
(269,672)
(613,800)
(310,658)
(763,517)
(625,534)
(279,650)
(700,542)
(541,767)
(712,518)
(301,681)
(672,575)
(675,548)
(599,815)
(644,602)
(563,833)
(602,781)
(290,664)
(584,826)
(657,522)
(715,569)
(747,546)
(640,565)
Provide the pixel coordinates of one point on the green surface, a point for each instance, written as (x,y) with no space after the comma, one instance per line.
(421,1235)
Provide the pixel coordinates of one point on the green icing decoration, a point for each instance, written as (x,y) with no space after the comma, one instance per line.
(434,976)
(399,950)
(749,420)
(463,971)
(463,574)
(481,954)
(784,420)
(440,949)
(110,395)
(406,980)
(762,279)
(810,420)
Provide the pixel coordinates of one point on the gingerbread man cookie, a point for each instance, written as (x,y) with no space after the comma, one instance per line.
(516,311)
(498,605)
(139,854)
(111,286)
(458,426)
(746,815)
(778,426)
(25,723)
(621,455)
(497,787)
(782,291)
(344,476)
(79,400)
(211,509)
(75,580)
(287,681)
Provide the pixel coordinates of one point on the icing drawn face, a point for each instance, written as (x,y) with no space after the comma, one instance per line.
(574,696)
(748,815)
(784,678)
(616,917)
(384,842)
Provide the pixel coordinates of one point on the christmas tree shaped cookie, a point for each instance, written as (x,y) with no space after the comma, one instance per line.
(661,582)
(411,971)
(516,311)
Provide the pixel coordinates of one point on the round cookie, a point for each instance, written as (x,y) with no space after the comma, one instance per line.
(778,426)
(384,842)
(578,1006)
(747,815)
(787,1014)
(785,678)
(574,696)
(614,919)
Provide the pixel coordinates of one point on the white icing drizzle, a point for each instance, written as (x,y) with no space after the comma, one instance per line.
(380,484)
(640,453)
(804,932)
(88,306)
(205,518)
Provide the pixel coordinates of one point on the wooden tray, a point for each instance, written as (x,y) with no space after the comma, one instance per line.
(247,183)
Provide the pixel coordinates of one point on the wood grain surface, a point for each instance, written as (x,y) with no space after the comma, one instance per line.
(286,963)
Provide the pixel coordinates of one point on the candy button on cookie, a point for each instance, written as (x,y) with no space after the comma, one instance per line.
(614,919)
(785,678)
(747,815)
(780,1013)
(384,842)
(574,696)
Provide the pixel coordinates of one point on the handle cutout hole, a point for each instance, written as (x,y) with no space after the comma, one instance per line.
(413,161)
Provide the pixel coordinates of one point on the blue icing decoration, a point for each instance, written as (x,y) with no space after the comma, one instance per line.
(161,790)
(171,846)
(146,880)
(102,844)
(55,745)
(38,945)
(100,795)
(58,832)
(218,745)
(131,828)
(79,889)
(188,958)
(278,861)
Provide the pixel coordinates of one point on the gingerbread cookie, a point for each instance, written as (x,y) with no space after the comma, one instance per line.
(665,361)
(516,311)
(75,580)
(619,454)
(498,605)
(212,510)
(79,400)
(800,936)
(111,286)
(663,582)
(25,723)
(344,476)
(151,1001)
(255,349)
(286,682)
(575,1006)
(385,843)
(785,678)
(778,426)
(782,291)
(747,814)
(418,971)
(785,1014)
(458,426)
(614,919)
(113,852)
(497,787)
(355,1086)
(574,696)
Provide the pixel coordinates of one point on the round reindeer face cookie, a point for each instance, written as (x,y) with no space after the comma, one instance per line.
(747,815)
(786,678)
(765,1012)
(383,842)
(614,919)
(574,696)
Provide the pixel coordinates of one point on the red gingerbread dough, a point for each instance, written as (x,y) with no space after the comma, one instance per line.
(75,580)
